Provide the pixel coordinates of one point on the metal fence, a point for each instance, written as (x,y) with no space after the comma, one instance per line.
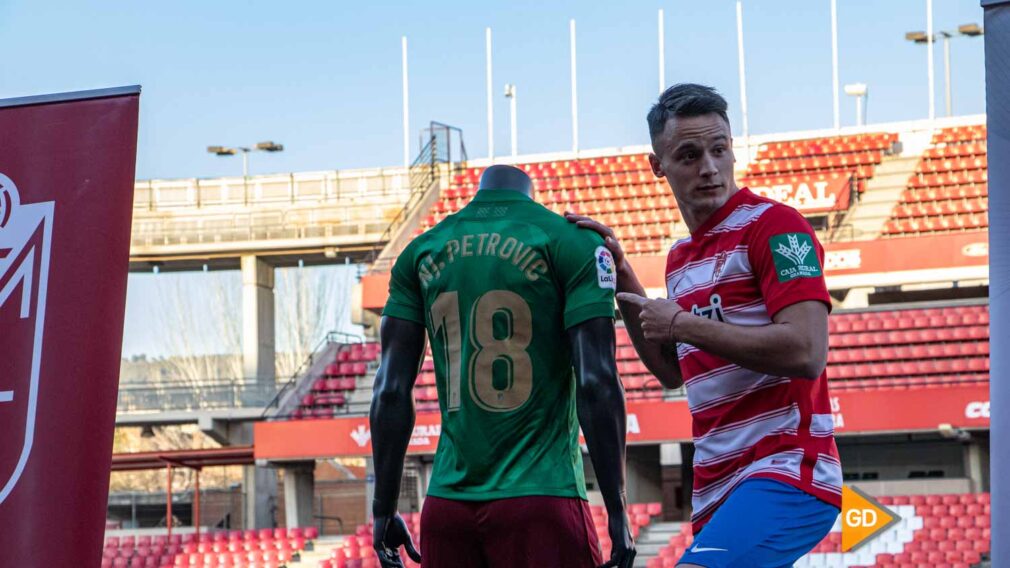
(202,395)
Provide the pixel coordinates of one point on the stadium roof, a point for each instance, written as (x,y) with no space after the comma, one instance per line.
(192,459)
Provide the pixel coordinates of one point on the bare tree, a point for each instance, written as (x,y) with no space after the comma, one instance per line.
(194,317)
(313,302)
(168,438)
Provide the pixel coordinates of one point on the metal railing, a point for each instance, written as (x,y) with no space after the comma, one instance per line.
(439,141)
(217,393)
(292,381)
(167,236)
(207,394)
(267,190)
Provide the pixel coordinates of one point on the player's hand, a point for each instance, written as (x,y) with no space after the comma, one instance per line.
(657,316)
(388,535)
(622,553)
(609,238)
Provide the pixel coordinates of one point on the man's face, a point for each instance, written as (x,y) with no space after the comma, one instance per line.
(695,154)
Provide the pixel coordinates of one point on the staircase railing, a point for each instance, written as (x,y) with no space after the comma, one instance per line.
(331,337)
(438,144)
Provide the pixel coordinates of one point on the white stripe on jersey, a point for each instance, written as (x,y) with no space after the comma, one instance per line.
(821,425)
(683,241)
(785,463)
(750,314)
(827,474)
(729,441)
(701,270)
(732,387)
(742,216)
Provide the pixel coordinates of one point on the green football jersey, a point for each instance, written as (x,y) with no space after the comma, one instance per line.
(496,285)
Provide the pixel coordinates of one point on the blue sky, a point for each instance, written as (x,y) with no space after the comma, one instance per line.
(323,78)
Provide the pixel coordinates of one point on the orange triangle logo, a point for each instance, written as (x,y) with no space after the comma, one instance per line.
(862,518)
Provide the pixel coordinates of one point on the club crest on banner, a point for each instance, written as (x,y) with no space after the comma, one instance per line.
(25,246)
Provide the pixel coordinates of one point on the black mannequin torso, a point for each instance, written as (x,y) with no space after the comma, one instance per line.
(599,404)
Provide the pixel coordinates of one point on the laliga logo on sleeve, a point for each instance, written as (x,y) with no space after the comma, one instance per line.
(606,273)
(25,244)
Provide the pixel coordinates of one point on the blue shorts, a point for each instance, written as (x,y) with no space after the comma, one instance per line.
(763,524)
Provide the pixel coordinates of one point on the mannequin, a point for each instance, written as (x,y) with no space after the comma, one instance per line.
(599,401)
(501,177)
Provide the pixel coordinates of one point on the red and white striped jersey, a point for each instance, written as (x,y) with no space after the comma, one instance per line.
(747,262)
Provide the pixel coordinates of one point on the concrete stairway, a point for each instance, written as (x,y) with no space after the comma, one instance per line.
(322,550)
(361,398)
(883,190)
(651,539)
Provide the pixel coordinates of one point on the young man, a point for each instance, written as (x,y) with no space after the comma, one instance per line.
(519,306)
(745,328)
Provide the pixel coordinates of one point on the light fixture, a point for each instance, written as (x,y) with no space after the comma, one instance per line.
(269,146)
(970,29)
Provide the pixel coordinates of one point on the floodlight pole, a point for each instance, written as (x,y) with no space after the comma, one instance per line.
(662,55)
(946,71)
(490,96)
(929,58)
(743,76)
(510,93)
(575,96)
(406,108)
(834,63)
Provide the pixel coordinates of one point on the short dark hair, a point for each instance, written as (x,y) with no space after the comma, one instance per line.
(685,99)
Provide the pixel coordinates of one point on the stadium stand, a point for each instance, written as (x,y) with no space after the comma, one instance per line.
(619,190)
(330,391)
(935,531)
(263,548)
(901,348)
(820,159)
(893,348)
(356,550)
(908,179)
(906,348)
(949,190)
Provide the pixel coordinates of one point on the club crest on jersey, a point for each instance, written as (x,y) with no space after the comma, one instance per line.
(712,311)
(791,253)
(25,244)
(606,271)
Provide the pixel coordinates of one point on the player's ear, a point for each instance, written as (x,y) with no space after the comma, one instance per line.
(656,165)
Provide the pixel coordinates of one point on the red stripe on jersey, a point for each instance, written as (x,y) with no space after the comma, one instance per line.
(747,424)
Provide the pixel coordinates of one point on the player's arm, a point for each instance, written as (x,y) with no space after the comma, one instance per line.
(392,420)
(660,360)
(786,258)
(600,403)
(795,344)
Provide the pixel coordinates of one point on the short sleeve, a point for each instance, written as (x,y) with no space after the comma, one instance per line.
(587,274)
(787,260)
(405,300)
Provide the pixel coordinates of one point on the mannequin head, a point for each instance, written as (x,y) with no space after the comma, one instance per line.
(506,178)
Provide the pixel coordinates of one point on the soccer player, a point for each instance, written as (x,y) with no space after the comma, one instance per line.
(519,306)
(745,328)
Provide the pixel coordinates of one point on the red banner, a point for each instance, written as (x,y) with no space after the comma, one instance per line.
(953,250)
(812,196)
(855,412)
(66,200)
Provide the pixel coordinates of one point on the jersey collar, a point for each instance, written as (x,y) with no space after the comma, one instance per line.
(499,195)
(721,213)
